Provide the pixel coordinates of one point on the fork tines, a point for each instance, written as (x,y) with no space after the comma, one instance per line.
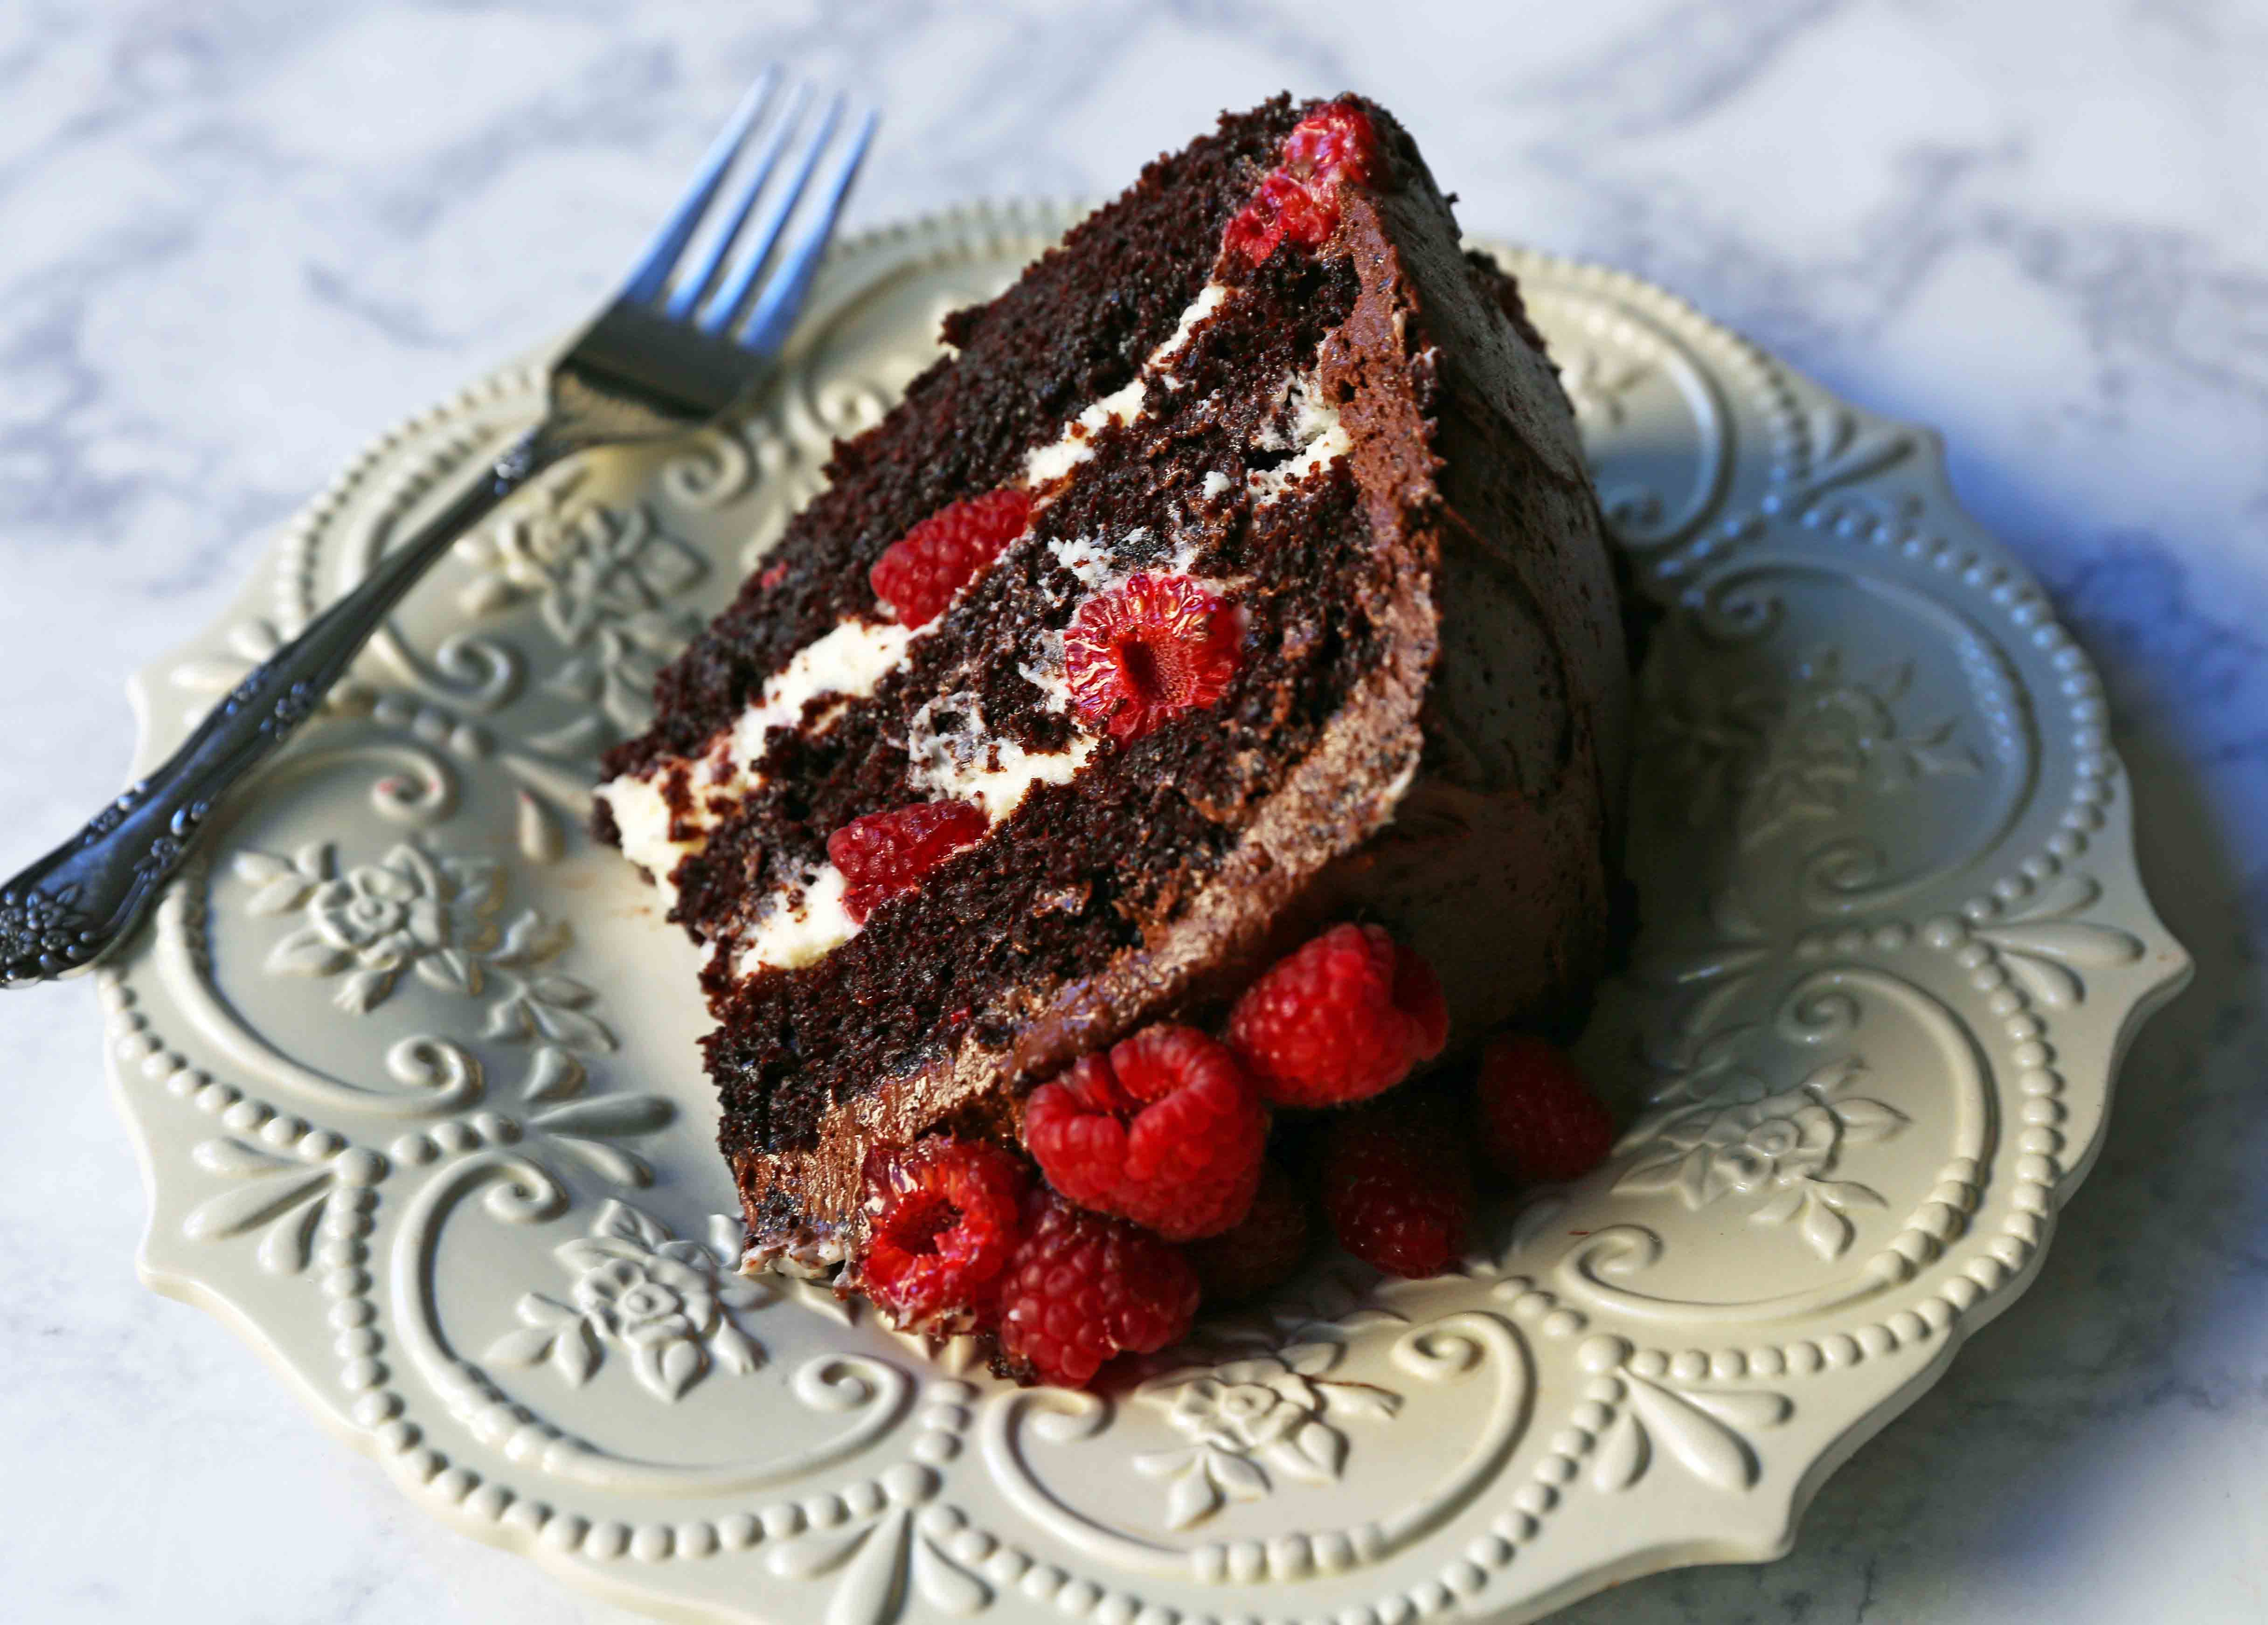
(747,284)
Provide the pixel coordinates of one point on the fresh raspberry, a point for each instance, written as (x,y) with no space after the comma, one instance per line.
(1086,1286)
(1298,198)
(944,1217)
(1538,1118)
(1263,1251)
(1164,1128)
(919,573)
(1143,654)
(1341,1020)
(1335,143)
(885,853)
(1397,1185)
(1283,206)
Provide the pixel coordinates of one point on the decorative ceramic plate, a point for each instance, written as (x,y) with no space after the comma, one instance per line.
(412,1064)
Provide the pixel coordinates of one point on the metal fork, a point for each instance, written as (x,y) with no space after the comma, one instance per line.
(687,338)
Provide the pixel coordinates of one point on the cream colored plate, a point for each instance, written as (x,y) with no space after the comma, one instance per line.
(413,1068)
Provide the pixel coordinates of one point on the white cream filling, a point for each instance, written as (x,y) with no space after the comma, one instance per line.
(1101,565)
(999,789)
(1045,673)
(944,731)
(643,819)
(960,761)
(1209,299)
(793,936)
(1089,559)
(1045,466)
(1315,434)
(851,661)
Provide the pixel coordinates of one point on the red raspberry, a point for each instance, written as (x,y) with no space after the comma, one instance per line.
(1155,648)
(1538,1118)
(1337,141)
(1084,1286)
(1263,1251)
(919,572)
(1299,199)
(885,853)
(944,1217)
(1397,1185)
(1341,1020)
(1164,1130)
(1283,206)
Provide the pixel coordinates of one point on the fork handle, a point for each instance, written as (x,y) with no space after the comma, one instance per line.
(76,904)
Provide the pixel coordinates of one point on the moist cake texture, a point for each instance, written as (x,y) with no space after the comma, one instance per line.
(1288,603)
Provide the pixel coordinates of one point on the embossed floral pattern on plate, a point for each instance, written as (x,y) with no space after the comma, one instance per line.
(667,1303)
(1777,1151)
(1250,1422)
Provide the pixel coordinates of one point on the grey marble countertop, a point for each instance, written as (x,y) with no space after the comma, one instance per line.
(239,237)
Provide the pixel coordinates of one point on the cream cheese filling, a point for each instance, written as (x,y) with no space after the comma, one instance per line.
(849,661)
(1043,466)
(1048,464)
(961,760)
(1210,298)
(645,819)
(795,934)
(1314,435)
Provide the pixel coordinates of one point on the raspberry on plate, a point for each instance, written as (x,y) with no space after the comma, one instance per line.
(944,1217)
(883,854)
(1141,655)
(1261,1251)
(1344,1018)
(1086,1286)
(1538,1118)
(1398,1186)
(1163,1128)
(920,572)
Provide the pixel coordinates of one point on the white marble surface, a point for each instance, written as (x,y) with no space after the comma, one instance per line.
(239,237)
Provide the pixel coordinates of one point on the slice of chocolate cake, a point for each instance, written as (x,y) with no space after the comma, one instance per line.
(1240,574)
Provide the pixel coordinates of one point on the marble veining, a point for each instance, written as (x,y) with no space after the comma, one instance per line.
(238,239)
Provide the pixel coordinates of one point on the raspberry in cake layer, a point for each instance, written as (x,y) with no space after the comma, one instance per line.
(1238,573)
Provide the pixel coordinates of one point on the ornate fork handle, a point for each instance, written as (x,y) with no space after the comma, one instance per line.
(80,900)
